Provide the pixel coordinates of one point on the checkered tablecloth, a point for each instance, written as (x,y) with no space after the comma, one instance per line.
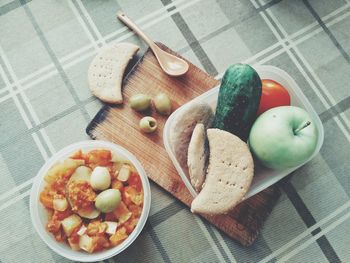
(45,49)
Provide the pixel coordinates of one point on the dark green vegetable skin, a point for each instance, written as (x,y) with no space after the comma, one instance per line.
(238,100)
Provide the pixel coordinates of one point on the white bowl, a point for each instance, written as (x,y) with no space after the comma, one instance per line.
(263,177)
(39,215)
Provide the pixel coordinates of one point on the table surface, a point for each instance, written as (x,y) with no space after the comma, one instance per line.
(45,50)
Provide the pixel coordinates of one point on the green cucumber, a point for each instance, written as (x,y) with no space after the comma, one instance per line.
(238,100)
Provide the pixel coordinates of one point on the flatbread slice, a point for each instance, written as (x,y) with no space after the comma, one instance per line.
(182,127)
(197,158)
(230,173)
(106,71)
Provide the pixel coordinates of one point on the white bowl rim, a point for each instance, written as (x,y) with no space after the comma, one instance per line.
(35,205)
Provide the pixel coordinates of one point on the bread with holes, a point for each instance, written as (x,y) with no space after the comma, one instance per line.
(230,173)
(197,157)
(182,127)
(106,71)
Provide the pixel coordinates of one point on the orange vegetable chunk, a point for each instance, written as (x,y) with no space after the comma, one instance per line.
(118,237)
(46,199)
(122,213)
(99,157)
(133,195)
(135,181)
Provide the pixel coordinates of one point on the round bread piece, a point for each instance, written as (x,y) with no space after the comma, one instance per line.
(230,173)
(106,71)
(182,128)
(197,156)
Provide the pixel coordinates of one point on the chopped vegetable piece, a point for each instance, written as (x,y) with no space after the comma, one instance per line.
(132,194)
(81,195)
(118,237)
(111,227)
(46,199)
(135,210)
(82,173)
(99,157)
(124,217)
(124,173)
(74,237)
(135,181)
(116,184)
(86,243)
(130,224)
(82,230)
(61,168)
(70,223)
(59,185)
(60,215)
(100,242)
(96,227)
(49,213)
(77,155)
(60,204)
(89,212)
(117,158)
(53,226)
(110,217)
(60,236)
(122,213)
(74,245)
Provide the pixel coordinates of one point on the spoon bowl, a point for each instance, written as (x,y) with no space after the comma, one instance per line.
(171,65)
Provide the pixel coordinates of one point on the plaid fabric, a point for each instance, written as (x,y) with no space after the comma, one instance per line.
(45,49)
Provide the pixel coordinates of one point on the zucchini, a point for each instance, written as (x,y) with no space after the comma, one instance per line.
(238,100)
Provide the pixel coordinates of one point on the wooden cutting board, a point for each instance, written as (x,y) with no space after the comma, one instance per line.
(119,124)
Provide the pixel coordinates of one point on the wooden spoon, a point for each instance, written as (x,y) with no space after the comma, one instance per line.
(170,64)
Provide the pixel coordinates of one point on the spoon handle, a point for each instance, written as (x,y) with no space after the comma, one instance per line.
(129,23)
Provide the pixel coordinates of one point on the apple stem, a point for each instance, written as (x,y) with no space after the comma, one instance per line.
(302,127)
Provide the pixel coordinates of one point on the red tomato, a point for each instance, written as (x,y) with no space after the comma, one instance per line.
(273,95)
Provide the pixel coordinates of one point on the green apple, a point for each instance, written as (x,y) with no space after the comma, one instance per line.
(283,137)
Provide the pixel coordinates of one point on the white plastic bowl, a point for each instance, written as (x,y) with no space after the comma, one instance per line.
(263,177)
(39,215)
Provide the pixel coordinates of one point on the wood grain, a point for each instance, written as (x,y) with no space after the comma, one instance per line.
(119,124)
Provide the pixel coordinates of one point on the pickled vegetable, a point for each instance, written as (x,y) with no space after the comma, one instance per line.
(140,102)
(148,124)
(162,104)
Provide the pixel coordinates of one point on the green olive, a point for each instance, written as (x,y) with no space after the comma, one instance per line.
(108,200)
(162,104)
(140,102)
(148,124)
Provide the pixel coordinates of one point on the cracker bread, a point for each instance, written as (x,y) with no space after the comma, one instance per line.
(230,173)
(197,158)
(182,128)
(106,71)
